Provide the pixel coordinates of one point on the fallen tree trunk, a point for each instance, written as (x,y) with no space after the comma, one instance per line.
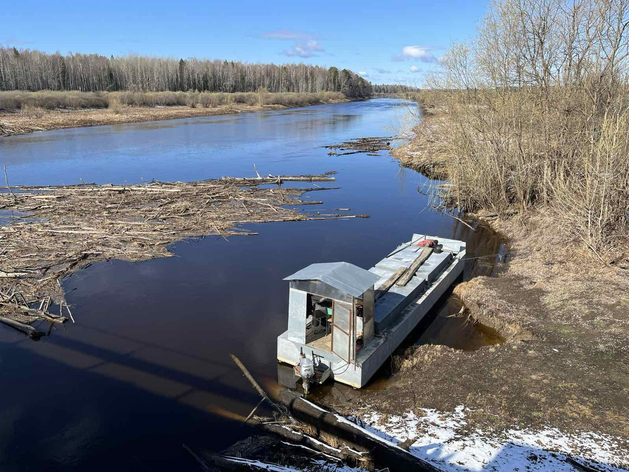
(382,451)
(24,328)
(343,453)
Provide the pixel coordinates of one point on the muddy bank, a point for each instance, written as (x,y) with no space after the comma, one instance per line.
(56,231)
(44,120)
(426,151)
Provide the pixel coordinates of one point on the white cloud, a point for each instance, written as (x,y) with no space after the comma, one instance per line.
(381,70)
(415,69)
(305,44)
(363,73)
(416,53)
(304,49)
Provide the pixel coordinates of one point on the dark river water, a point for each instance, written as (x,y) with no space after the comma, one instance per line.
(146,367)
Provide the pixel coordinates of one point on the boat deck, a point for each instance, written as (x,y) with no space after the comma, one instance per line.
(396,313)
(323,344)
(391,304)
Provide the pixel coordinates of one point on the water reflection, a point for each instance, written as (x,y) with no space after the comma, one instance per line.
(183,149)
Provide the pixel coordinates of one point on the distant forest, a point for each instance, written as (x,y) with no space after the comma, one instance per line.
(31,70)
(393,88)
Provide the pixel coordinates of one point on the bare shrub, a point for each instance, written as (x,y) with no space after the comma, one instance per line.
(8,102)
(33,111)
(47,100)
(537,109)
(212,100)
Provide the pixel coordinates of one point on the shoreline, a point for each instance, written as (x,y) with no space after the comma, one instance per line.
(26,122)
(563,364)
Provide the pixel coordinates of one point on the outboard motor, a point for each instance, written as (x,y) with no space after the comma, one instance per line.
(306,371)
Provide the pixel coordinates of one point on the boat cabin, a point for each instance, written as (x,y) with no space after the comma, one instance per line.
(331,308)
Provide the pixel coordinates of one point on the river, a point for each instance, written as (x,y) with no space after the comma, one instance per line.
(146,367)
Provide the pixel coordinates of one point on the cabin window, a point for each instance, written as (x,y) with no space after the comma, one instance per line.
(318,318)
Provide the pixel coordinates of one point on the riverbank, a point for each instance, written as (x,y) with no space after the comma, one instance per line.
(563,314)
(30,114)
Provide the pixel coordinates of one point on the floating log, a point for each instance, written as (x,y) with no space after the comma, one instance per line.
(24,328)
(272,179)
(382,451)
(417,263)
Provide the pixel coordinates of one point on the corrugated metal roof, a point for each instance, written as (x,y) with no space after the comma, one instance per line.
(343,276)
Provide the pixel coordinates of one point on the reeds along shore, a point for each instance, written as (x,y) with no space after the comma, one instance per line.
(13,101)
(534,113)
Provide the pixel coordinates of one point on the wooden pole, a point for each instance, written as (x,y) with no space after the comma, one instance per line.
(384,288)
(259,389)
(417,263)
(204,465)
(6,180)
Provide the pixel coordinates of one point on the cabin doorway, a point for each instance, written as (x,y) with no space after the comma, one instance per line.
(342,330)
(319,322)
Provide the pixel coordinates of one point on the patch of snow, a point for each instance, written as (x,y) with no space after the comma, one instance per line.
(323,466)
(438,439)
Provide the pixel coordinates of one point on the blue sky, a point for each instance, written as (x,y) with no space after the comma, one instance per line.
(387,42)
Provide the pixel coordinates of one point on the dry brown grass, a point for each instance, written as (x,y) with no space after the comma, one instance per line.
(505,153)
(48,100)
(122,110)
(536,115)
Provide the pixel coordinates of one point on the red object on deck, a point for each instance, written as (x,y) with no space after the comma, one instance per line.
(428,243)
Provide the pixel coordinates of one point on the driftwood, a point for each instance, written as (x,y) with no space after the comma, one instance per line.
(371,146)
(24,328)
(417,263)
(381,450)
(343,452)
(66,228)
(288,427)
(304,423)
(278,179)
(260,391)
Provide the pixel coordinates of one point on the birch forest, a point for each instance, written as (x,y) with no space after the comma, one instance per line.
(31,70)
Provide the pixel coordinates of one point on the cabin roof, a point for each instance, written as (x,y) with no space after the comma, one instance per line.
(343,276)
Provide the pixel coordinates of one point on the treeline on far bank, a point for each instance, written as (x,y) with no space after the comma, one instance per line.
(31,70)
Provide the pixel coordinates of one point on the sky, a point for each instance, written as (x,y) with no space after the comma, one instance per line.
(385,42)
